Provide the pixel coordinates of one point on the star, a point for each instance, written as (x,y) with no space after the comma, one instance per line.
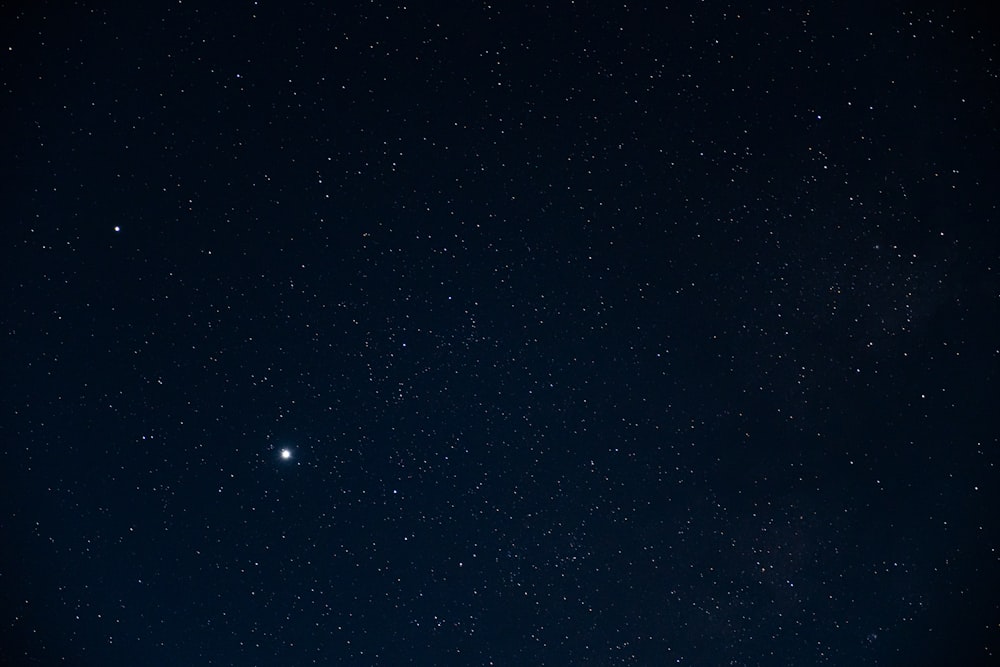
(286,454)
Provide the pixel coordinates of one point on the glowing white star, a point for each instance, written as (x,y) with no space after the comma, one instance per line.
(286,454)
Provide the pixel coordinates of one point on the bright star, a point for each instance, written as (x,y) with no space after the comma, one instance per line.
(286,454)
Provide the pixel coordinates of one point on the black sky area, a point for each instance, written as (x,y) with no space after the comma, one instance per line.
(595,333)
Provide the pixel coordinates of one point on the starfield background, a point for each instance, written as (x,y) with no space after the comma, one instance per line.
(499,334)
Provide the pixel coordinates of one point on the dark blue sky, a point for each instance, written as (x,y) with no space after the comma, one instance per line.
(599,334)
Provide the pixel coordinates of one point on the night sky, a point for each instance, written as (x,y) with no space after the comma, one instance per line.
(471,334)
